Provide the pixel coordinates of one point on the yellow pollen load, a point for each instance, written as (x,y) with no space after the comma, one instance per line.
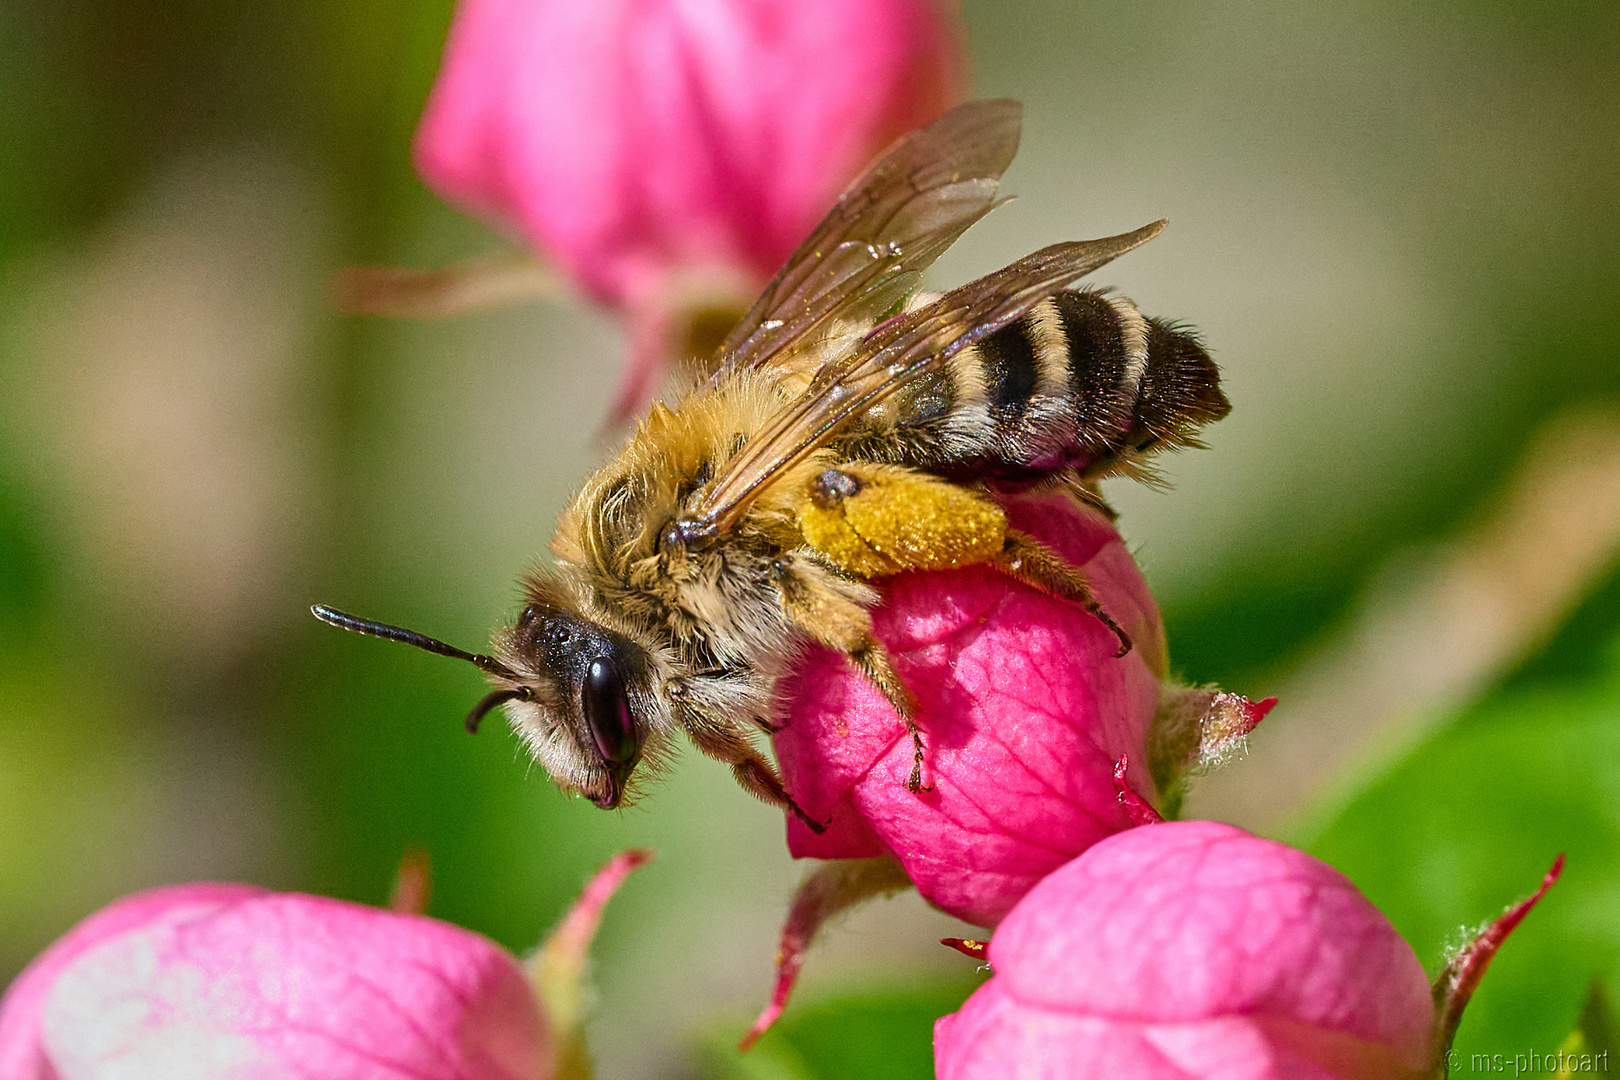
(901,520)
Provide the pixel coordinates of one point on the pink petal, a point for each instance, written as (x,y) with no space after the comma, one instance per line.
(1025,709)
(255,985)
(626,137)
(21,1055)
(1190,921)
(996,1037)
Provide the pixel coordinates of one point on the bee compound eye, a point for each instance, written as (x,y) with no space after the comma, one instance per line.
(607,712)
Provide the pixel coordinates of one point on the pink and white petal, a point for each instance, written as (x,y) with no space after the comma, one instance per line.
(22,1055)
(293,985)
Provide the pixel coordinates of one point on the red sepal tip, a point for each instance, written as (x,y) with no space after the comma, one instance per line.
(1457,983)
(966,946)
(1140,811)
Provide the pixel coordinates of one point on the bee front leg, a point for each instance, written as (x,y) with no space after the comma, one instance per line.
(1030,561)
(752,771)
(834,612)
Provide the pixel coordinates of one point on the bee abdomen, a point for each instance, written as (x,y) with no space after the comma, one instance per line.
(1083,381)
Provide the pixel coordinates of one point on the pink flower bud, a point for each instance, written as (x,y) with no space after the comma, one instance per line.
(1025,709)
(1194,949)
(231,980)
(653,150)
(1041,741)
(260,984)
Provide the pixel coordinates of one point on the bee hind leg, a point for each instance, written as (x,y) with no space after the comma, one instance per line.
(1030,561)
(872,659)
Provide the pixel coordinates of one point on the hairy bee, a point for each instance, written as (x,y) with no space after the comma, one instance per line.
(840,434)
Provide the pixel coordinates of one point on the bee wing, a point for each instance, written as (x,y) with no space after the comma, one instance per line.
(895,354)
(888,226)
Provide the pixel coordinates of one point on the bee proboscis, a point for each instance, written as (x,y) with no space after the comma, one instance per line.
(845,431)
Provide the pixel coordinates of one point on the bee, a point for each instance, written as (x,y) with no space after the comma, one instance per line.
(845,431)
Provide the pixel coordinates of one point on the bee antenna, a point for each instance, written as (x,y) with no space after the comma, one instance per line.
(489,701)
(345,621)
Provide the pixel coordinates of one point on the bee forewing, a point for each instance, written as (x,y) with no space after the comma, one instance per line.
(896,354)
(887,227)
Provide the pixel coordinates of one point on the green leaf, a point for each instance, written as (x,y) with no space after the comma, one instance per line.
(1468,824)
(1598,1029)
(1588,1047)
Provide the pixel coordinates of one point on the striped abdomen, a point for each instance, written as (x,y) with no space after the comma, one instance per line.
(1083,381)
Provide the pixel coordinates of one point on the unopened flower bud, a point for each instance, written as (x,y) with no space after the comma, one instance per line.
(1024,707)
(1190,949)
(667,157)
(232,980)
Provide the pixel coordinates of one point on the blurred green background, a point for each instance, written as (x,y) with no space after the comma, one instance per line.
(1396,225)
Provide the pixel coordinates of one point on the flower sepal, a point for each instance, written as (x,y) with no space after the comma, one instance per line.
(1461,977)
(1196,729)
(832,888)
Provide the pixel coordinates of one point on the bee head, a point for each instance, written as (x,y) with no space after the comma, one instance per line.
(578,694)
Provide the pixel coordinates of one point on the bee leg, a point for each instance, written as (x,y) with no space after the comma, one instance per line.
(765,724)
(875,520)
(1030,561)
(873,660)
(820,604)
(753,772)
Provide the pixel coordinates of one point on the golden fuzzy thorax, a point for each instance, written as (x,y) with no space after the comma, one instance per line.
(614,522)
